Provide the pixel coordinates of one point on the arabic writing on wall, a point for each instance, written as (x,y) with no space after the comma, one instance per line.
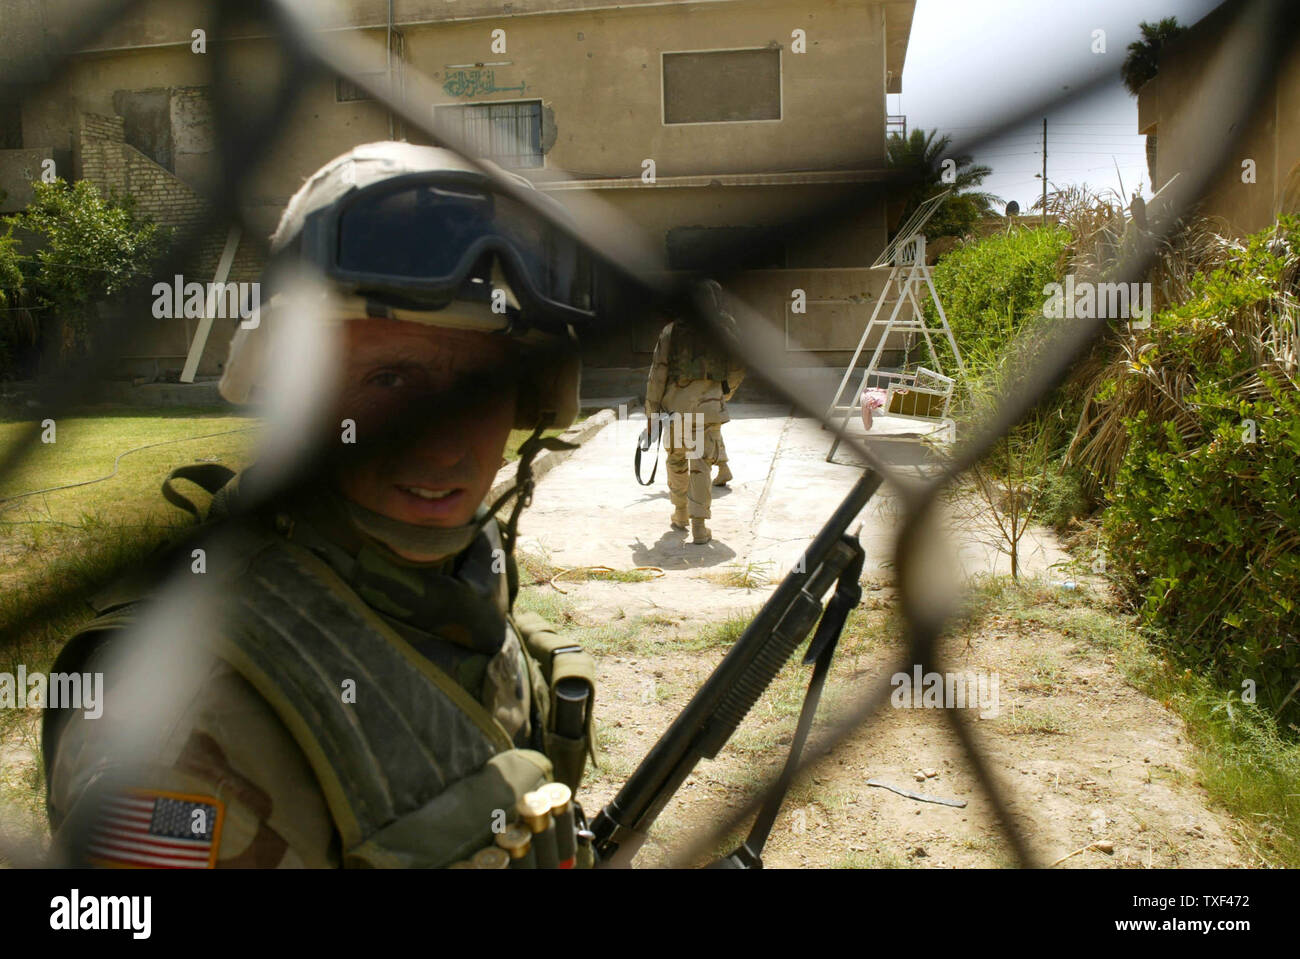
(468,83)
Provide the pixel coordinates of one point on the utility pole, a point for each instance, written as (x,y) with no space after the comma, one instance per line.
(392,122)
(1044,171)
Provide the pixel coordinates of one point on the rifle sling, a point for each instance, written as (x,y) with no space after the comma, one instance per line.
(848,593)
(636,466)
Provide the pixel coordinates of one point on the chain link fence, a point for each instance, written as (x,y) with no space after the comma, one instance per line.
(250,121)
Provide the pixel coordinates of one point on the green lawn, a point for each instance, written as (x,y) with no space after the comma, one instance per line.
(85,448)
(517,438)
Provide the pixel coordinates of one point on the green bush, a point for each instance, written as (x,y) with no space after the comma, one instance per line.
(993,286)
(14,319)
(1204,521)
(93,248)
(992,292)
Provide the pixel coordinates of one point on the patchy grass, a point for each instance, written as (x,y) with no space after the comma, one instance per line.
(717,635)
(517,438)
(871,859)
(583,574)
(751,575)
(536,570)
(1241,758)
(1034,719)
(555,608)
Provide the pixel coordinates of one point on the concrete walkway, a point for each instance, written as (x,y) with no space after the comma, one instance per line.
(589,511)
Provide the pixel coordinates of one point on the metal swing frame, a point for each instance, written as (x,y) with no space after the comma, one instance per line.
(904,256)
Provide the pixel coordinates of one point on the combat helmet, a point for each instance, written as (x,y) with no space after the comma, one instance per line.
(405,231)
(401,230)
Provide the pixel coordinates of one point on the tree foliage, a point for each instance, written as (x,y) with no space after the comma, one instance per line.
(17,328)
(922,154)
(1143,60)
(91,248)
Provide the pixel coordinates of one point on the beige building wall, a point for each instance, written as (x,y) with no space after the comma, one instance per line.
(1175,107)
(597,69)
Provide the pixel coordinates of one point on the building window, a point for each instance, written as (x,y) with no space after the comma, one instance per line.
(725,86)
(345,91)
(507,133)
(715,249)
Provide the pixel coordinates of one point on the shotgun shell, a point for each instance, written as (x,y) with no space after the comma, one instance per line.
(517,841)
(535,810)
(493,857)
(566,841)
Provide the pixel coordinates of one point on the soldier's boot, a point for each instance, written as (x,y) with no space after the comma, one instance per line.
(679,520)
(724,475)
(699,532)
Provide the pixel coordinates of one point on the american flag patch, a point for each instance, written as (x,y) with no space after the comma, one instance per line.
(156,830)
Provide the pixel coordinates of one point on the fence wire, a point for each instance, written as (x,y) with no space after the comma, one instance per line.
(249,122)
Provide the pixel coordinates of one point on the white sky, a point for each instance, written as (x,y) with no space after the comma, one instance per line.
(972,64)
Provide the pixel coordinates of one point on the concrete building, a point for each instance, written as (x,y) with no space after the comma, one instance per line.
(1178,108)
(751,111)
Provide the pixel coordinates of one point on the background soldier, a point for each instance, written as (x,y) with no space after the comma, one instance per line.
(690,377)
(370,699)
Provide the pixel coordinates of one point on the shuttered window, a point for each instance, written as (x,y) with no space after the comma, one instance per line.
(507,133)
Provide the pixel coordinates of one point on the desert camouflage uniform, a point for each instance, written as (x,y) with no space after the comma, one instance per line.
(689,384)
(233,747)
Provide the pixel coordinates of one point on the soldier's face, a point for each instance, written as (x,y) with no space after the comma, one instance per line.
(438,457)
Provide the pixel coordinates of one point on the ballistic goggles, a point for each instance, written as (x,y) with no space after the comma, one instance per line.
(421,240)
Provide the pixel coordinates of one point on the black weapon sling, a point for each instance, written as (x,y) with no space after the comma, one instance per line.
(643,446)
(848,593)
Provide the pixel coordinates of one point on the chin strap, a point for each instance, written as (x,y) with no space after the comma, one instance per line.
(523,491)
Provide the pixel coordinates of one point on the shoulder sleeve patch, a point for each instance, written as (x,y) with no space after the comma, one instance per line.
(151,829)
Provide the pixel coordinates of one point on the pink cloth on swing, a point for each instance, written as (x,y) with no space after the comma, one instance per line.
(872,399)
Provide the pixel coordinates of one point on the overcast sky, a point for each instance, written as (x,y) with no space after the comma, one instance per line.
(972,65)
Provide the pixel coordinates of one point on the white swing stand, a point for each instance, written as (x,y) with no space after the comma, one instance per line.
(902,405)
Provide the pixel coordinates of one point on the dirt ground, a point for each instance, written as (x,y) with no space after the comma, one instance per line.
(1092,769)
(1086,761)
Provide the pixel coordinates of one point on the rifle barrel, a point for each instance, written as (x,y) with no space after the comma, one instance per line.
(726,697)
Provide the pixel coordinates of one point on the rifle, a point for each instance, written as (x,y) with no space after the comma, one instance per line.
(727,696)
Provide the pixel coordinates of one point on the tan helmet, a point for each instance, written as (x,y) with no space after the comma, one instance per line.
(418,234)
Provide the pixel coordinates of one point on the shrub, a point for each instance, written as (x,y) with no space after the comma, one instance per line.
(1204,523)
(16,324)
(993,286)
(92,248)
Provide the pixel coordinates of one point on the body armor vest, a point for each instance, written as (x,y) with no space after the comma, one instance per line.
(409,745)
(690,357)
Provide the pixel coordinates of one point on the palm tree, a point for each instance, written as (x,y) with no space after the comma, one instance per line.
(1143,60)
(922,154)
(1142,63)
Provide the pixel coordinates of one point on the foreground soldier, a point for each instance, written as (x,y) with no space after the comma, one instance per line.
(690,380)
(372,700)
